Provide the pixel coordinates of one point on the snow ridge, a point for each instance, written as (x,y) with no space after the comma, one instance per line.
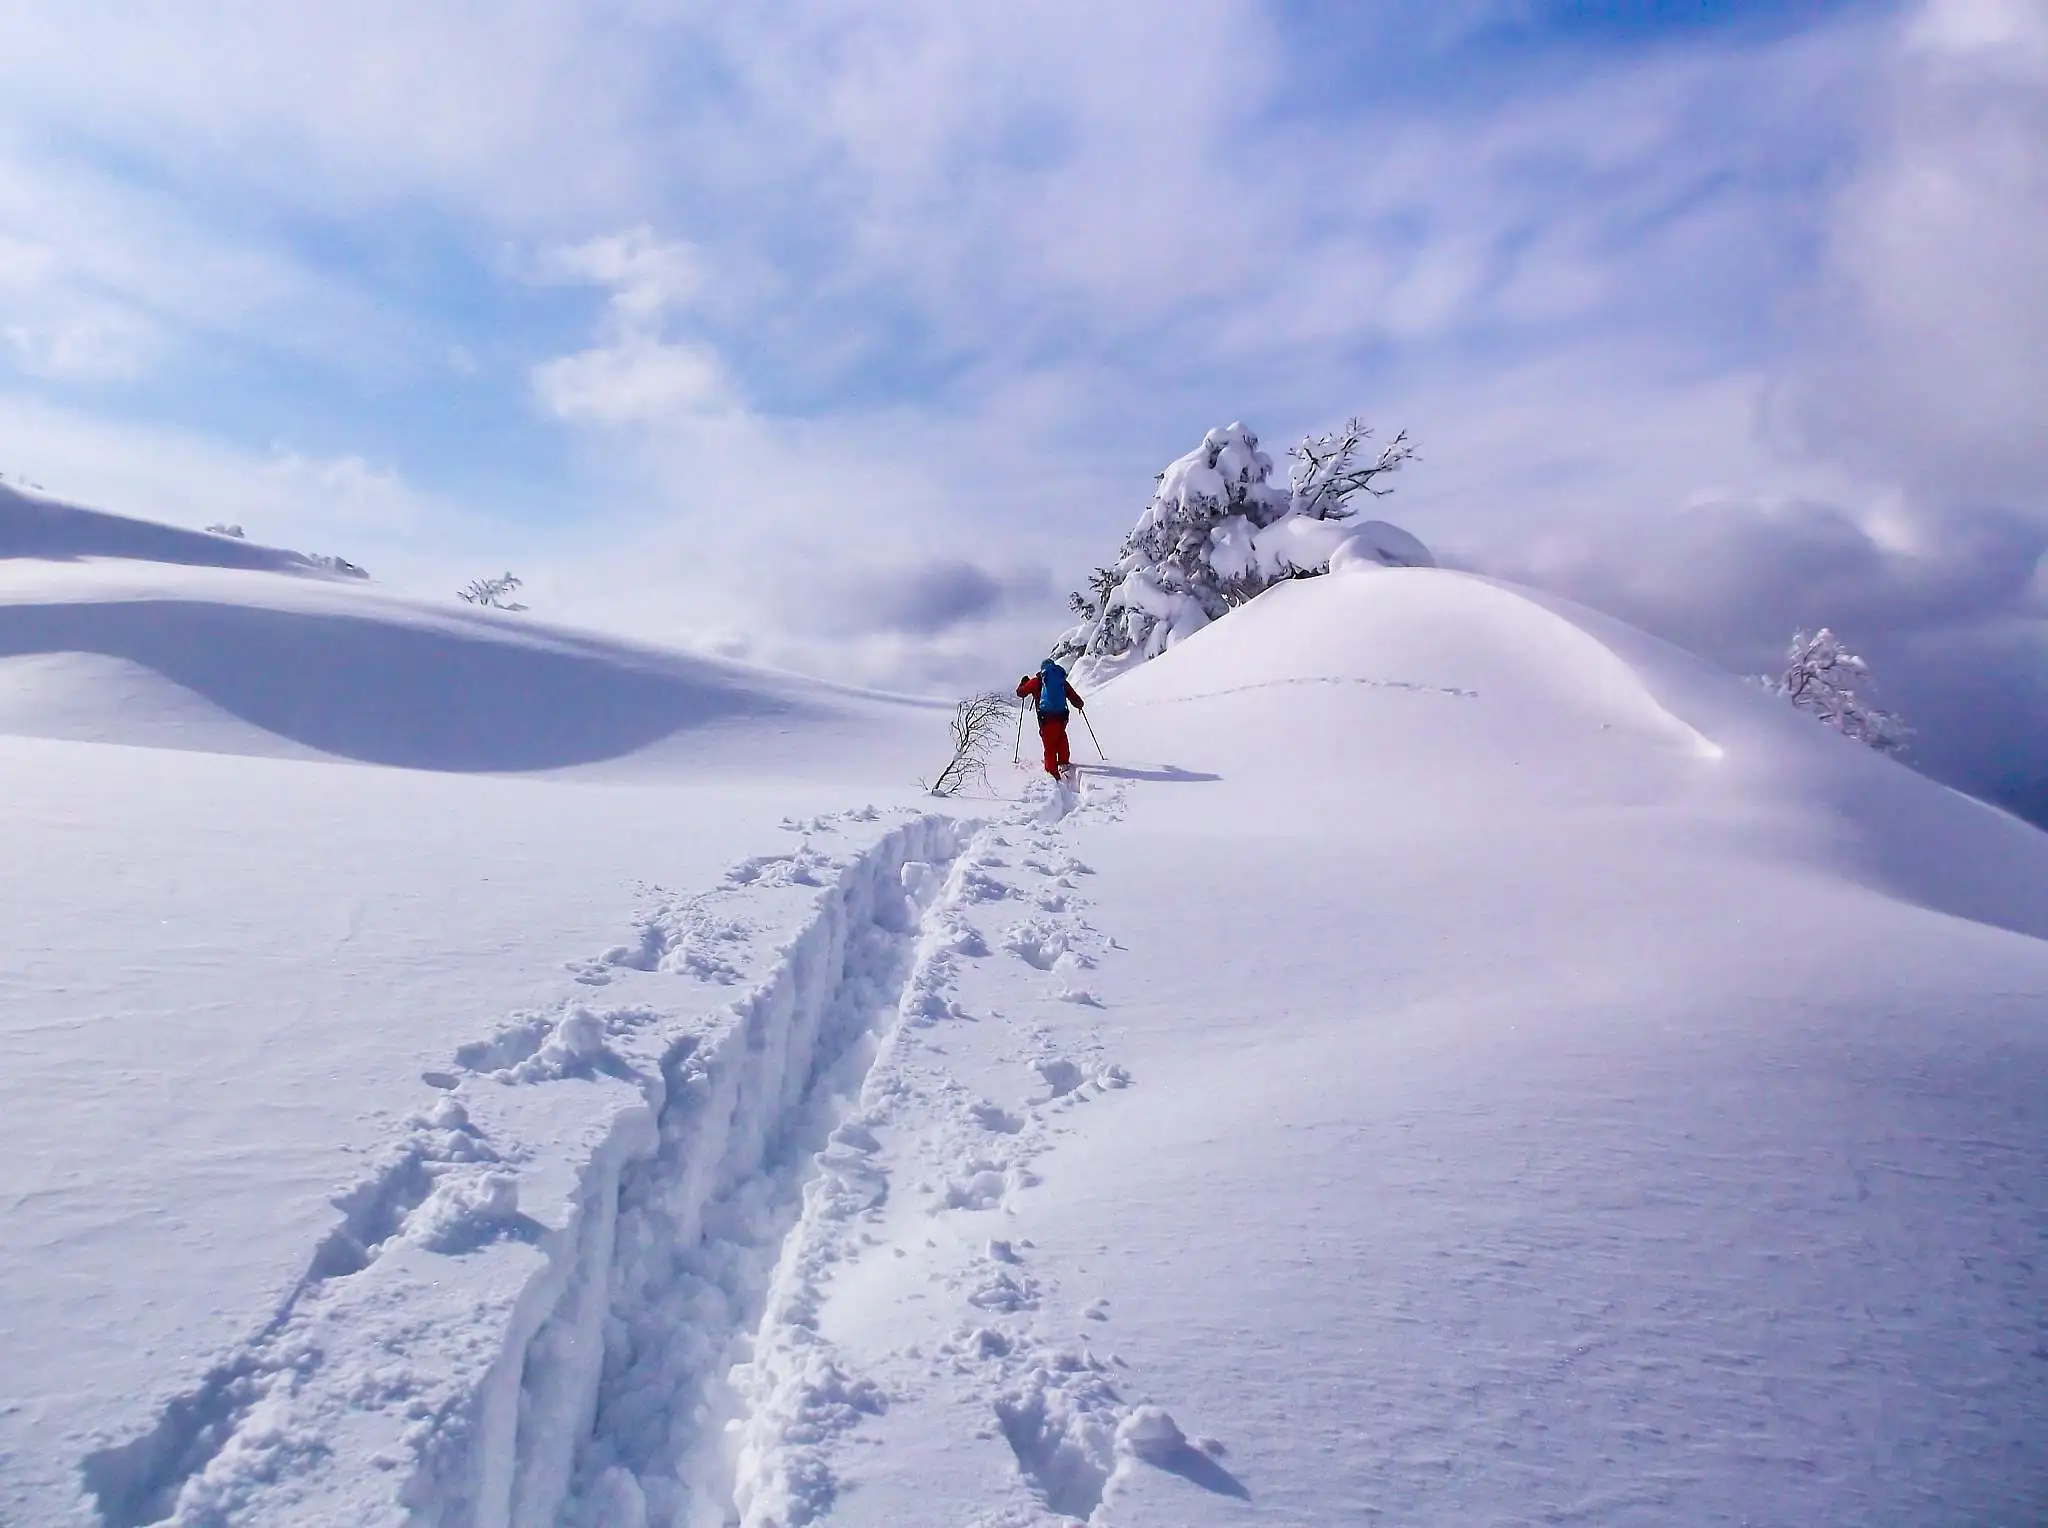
(468,1394)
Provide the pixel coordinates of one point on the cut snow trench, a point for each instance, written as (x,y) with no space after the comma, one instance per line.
(704,1223)
(598,1391)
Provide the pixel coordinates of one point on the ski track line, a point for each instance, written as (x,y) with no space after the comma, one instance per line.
(1413,686)
(390,1388)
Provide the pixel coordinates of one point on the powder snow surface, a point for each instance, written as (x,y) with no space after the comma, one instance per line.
(1460,1062)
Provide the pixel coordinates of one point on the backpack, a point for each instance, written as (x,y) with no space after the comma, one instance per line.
(1052,689)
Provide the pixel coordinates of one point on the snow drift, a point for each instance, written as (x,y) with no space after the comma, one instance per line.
(239,662)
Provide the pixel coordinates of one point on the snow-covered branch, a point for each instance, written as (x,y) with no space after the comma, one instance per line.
(1330,470)
(1832,684)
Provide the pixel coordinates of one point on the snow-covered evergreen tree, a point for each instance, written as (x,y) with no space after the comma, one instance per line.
(1220,529)
(1826,680)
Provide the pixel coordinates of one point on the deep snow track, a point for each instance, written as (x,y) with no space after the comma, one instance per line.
(906,1356)
(617,1183)
(740,1386)
(746,1147)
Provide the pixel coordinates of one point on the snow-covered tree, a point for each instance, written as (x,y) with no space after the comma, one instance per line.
(493,593)
(1221,528)
(1826,680)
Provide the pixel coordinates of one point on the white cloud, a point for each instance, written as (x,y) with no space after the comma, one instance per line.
(635,380)
(649,278)
(644,372)
(1929,362)
(2004,35)
(106,345)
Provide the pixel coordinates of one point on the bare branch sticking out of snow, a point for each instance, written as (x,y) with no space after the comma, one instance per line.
(978,725)
(493,593)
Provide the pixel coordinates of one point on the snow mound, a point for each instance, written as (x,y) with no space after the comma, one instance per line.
(51,530)
(1376,541)
(226,661)
(1308,656)
(1453,694)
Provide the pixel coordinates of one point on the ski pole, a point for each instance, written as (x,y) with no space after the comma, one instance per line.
(1017,752)
(1094,739)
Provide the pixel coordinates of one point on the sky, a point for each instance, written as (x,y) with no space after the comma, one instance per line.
(846,337)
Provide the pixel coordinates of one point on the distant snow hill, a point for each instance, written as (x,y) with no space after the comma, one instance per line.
(120,630)
(32,525)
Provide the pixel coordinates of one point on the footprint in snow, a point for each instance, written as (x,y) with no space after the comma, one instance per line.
(981,1188)
(1061,1075)
(994,1118)
(1066,1077)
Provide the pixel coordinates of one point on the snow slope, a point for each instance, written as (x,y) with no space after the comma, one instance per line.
(229,662)
(1493,1070)
(1461,1062)
(233,949)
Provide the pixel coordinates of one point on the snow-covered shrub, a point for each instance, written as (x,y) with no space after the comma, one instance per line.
(493,593)
(978,725)
(226,530)
(1221,528)
(335,564)
(1830,683)
(1330,470)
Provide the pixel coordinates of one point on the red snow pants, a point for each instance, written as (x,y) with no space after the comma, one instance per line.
(1052,731)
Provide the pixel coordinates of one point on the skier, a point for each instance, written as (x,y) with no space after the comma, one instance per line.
(1049,686)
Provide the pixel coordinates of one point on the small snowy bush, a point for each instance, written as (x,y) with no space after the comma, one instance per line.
(226,530)
(978,725)
(493,593)
(1222,528)
(1827,681)
(335,564)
